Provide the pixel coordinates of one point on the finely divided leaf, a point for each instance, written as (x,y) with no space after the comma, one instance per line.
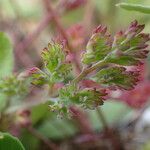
(38,76)
(91,98)
(129,47)
(87,98)
(53,56)
(98,46)
(126,48)
(55,62)
(12,86)
(117,77)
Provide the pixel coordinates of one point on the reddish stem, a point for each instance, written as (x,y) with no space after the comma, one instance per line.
(81,119)
(20,48)
(63,33)
(114,138)
(50,144)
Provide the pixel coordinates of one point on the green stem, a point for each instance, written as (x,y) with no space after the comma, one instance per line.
(115,140)
(102,118)
(87,70)
(39,136)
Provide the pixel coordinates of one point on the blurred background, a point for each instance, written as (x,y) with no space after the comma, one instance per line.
(30,27)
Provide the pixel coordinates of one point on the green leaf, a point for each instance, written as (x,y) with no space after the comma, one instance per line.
(67,94)
(13,86)
(55,62)
(3,98)
(6,62)
(116,77)
(91,98)
(58,128)
(29,141)
(38,76)
(98,46)
(61,73)
(126,48)
(8,142)
(12,90)
(135,7)
(40,112)
(53,56)
(87,98)
(129,47)
(125,60)
(6,56)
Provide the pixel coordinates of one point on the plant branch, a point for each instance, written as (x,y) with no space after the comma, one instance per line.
(63,33)
(102,118)
(20,48)
(110,133)
(81,118)
(88,70)
(25,43)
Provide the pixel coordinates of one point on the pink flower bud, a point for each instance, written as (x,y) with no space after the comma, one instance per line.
(33,70)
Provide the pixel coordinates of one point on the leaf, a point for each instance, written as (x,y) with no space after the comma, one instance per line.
(98,46)
(87,98)
(55,62)
(67,94)
(40,112)
(13,86)
(116,77)
(58,128)
(129,47)
(135,7)
(6,56)
(6,62)
(91,98)
(61,73)
(126,48)
(38,76)
(53,56)
(29,141)
(8,142)
(2,101)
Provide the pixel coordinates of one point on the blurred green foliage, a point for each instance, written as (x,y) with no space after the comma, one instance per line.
(135,7)
(44,121)
(6,56)
(8,142)
(6,62)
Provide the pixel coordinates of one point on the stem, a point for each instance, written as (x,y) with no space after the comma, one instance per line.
(102,118)
(87,70)
(46,141)
(115,139)
(22,46)
(63,33)
(81,119)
